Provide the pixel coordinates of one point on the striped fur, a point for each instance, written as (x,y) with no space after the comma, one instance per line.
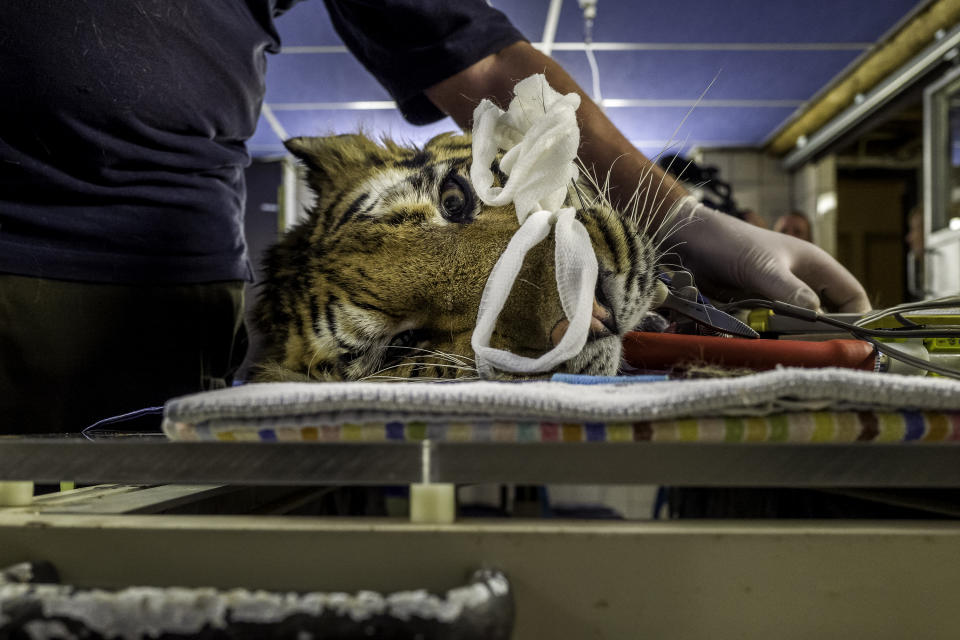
(379,282)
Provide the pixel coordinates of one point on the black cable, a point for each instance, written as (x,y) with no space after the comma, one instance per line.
(862,333)
(904,322)
(815,316)
(904,332)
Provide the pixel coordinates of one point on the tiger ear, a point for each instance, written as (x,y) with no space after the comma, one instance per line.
(300,147)
(336,157)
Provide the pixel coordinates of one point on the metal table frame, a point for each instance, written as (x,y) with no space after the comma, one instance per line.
(694,579)
(154,460)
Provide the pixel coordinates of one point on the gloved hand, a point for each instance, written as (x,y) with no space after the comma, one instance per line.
(733,259)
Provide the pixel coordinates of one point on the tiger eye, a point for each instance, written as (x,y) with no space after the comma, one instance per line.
(456,199)
(453,201)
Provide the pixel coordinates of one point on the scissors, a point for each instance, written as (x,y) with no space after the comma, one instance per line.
(698,309)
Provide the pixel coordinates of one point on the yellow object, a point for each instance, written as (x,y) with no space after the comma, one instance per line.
(433,503)
(759,319)
(16,494)
(944,352)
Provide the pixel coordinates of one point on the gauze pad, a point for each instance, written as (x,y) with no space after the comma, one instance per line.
(540,136)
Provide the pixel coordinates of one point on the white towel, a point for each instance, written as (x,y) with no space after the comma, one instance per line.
(292,404)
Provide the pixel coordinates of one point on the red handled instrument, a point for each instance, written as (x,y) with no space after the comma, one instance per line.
(664,351)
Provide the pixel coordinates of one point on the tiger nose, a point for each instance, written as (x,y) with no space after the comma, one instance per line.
(602,324)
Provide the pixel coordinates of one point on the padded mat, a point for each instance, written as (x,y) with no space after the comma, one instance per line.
(786,405)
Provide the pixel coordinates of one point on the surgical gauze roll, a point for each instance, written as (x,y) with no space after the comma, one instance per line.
(539,136)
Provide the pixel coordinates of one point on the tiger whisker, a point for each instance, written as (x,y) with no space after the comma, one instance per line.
(525,281)
(673,219)
(433,352)
(676,225)
(663,175)
(653,214)
(402,379)
(431,364)
(648,172)
(315,357)
(643,186)
(451,363)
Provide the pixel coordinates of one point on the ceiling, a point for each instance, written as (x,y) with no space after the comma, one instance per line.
(754,62)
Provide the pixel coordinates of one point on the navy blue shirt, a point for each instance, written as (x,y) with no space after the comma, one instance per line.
(123,124)
(410,45)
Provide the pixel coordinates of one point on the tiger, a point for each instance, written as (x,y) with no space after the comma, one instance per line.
(383,278)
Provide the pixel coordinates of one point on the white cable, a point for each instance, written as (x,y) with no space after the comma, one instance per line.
(589,8)
(595,73)
(938,303)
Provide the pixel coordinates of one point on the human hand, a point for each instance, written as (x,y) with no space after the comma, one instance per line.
(731,258)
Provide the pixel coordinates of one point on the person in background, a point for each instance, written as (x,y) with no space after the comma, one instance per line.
(796,224)
(123,134)
(754,218)
(916,285)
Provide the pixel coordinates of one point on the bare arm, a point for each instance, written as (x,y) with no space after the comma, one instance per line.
(729,257)
(602,146)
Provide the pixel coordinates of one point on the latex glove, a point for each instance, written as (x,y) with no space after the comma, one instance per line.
(731,258)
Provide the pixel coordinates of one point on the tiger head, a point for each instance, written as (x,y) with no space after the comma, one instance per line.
(384,278)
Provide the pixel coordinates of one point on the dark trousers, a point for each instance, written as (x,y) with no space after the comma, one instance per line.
(73,353)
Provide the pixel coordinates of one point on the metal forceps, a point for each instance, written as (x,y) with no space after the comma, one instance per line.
(697,309)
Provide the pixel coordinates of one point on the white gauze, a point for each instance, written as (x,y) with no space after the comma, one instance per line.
(540,136)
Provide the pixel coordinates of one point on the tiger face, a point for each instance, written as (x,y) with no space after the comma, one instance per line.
(384,278)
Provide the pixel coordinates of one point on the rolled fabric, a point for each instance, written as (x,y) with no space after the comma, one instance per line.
(540,136)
